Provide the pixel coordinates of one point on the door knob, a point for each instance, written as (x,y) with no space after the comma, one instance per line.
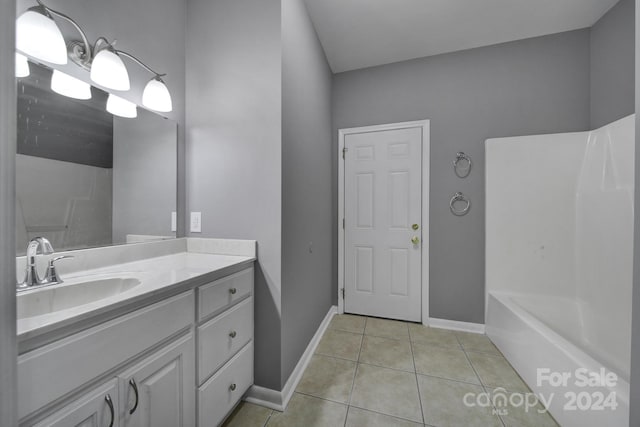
(415,226)
(415,240)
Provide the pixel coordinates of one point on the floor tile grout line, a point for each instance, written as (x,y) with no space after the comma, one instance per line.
(473,368)
(438,346)
(353,383)
(334,356)
(495,386)
(385,414)
(448,379)
(484,388)
(266,422)
(486,353)
(415,371)
(304,393)
(355,372)
(346,416)
(387,367)
(387,337)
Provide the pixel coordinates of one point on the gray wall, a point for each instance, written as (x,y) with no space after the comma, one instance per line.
(634,393)
(532,86)
(8,347)
(144,175)
(612,64)
(153,30)
(307,209)
(234,163)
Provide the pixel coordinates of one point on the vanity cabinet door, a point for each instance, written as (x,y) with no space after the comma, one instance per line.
(159,391)
(99,408)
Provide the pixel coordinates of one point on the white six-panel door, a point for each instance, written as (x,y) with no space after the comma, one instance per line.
(382,228)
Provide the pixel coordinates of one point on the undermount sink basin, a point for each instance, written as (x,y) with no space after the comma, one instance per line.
(69,295)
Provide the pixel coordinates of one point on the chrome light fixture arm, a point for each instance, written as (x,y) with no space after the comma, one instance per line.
(84,52)
(137,61)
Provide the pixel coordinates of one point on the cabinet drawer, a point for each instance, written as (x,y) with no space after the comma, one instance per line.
(73,361)
(218,295)
(220,394)
(220,338)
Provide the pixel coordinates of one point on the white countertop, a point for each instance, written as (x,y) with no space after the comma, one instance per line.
(159,275)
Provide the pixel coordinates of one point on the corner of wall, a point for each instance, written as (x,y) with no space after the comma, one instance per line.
(8,343)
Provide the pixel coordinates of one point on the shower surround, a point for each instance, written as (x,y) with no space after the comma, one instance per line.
(559,244)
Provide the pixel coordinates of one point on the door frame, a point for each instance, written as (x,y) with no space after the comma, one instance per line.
(426,155)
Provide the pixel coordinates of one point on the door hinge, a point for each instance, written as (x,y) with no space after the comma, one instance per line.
(344,151)
(343,223)
(342,289)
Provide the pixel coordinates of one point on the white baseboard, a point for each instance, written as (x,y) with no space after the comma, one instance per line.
(263,396)
(279,400)
(476,328)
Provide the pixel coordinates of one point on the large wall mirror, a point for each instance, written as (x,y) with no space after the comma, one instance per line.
(85,177)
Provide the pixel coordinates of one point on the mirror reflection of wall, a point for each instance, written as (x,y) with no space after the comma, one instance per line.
(85,178)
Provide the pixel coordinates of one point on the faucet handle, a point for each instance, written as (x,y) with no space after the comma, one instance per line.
(51,276)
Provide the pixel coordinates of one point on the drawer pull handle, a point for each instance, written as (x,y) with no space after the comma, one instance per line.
(233,291)
(107,398)
(232,387)
(134,386)
(232,334)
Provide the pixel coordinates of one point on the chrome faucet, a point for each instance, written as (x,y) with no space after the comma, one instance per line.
(40,246)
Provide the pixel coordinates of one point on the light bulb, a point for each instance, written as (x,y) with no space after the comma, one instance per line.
(121,107)
(108,70)
(66,85)
(22,66)
(37,35)
(156,96)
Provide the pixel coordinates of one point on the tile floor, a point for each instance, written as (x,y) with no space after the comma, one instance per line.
(370,372)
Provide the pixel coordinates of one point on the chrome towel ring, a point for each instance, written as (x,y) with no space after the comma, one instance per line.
(459,197)
(460,171)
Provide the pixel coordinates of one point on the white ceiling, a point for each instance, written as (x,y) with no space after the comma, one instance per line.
(364,33)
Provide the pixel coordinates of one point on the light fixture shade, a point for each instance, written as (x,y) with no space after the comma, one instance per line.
(108,70)
(37,35)
(67,85)
(121,107)
(156,96)
(22,66)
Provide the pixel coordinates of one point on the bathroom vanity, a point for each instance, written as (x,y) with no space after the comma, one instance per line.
(150,334)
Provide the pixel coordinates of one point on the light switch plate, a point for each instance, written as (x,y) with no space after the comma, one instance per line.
(196,222)
(174,221)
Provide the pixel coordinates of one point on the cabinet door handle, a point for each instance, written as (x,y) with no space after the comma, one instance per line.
(111,410)
(233,291)
(134,386)
(232,334)
(232,387)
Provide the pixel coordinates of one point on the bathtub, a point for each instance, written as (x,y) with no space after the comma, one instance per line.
(535,332)
(559,262)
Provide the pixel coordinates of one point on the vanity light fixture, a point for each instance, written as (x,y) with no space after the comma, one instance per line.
(67,85)
(108,70)
(37,33)
(121,107)
(156,96)
(22,66)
